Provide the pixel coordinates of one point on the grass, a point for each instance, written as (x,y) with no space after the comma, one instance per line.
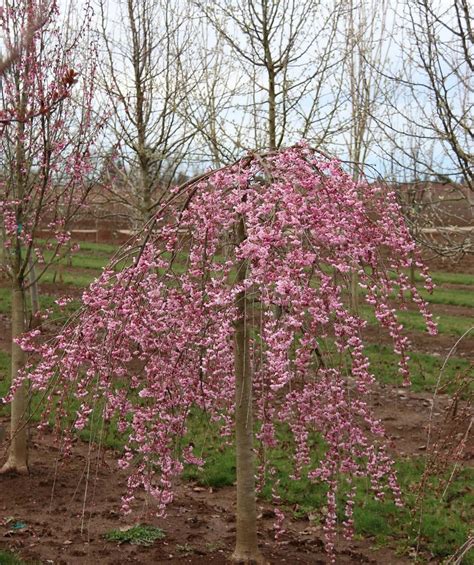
(136,535)
(450,297)
(86,246)
(424,368)
(185,549)
(219,470)
(107,249)
(69,277)
(5,369)
(451,325)
(81,260)
(9,558)
(444,524)
(4,366)
(447,324)
(91,256)
(440,277)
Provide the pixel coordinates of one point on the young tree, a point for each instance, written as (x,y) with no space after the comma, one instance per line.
(147,75)
(192,323)
(44,151)
(287,53)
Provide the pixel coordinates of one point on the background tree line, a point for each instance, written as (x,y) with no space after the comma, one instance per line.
(191,85)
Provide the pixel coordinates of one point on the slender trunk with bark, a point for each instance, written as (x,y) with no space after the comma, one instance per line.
(271,109)
(246,548)
(34,295)
(355,292)
(18,454)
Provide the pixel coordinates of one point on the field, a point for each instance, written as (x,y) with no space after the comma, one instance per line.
(68,512)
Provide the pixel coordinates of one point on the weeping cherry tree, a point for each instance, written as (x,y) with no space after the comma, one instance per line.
(228,304)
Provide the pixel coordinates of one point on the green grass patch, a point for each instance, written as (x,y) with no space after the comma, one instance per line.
(443,523)
(94,254)
(440,277)
(69,277)
(104,248)
(136,535)
(450,297)
(424,368)
(8,558)
(5,371)
(77,260)
(219,469)
(449,325)
(5,366)
(444,277)
(97,432)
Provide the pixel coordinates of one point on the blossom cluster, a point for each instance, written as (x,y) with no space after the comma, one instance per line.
(46,136)
(155,339)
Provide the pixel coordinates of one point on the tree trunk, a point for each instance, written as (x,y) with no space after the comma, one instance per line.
(18,453)
(355,292)
(246,549)
(412,271)
(35,321)
(271,109)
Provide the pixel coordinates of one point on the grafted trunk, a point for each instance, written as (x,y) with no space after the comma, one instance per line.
(17,461)
(246,547)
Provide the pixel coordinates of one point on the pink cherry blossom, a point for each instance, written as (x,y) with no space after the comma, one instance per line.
(155,340)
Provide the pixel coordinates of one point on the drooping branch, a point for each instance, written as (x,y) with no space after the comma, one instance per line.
(164,334)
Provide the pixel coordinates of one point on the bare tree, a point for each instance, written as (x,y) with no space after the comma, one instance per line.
(368,37)
(146,79)
(213,105)
(286,50)
(428,126)
(443,57)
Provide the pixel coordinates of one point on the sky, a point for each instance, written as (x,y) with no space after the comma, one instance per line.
(403,112)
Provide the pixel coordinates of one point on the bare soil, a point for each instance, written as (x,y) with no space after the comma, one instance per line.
(68,506)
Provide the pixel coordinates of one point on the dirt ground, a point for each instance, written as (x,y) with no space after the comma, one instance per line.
(66,507)
(65,522)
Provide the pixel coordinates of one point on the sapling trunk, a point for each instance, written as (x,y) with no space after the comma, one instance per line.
(355,292)
(412,273)
(34,295)
(18,453)
(246,548)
